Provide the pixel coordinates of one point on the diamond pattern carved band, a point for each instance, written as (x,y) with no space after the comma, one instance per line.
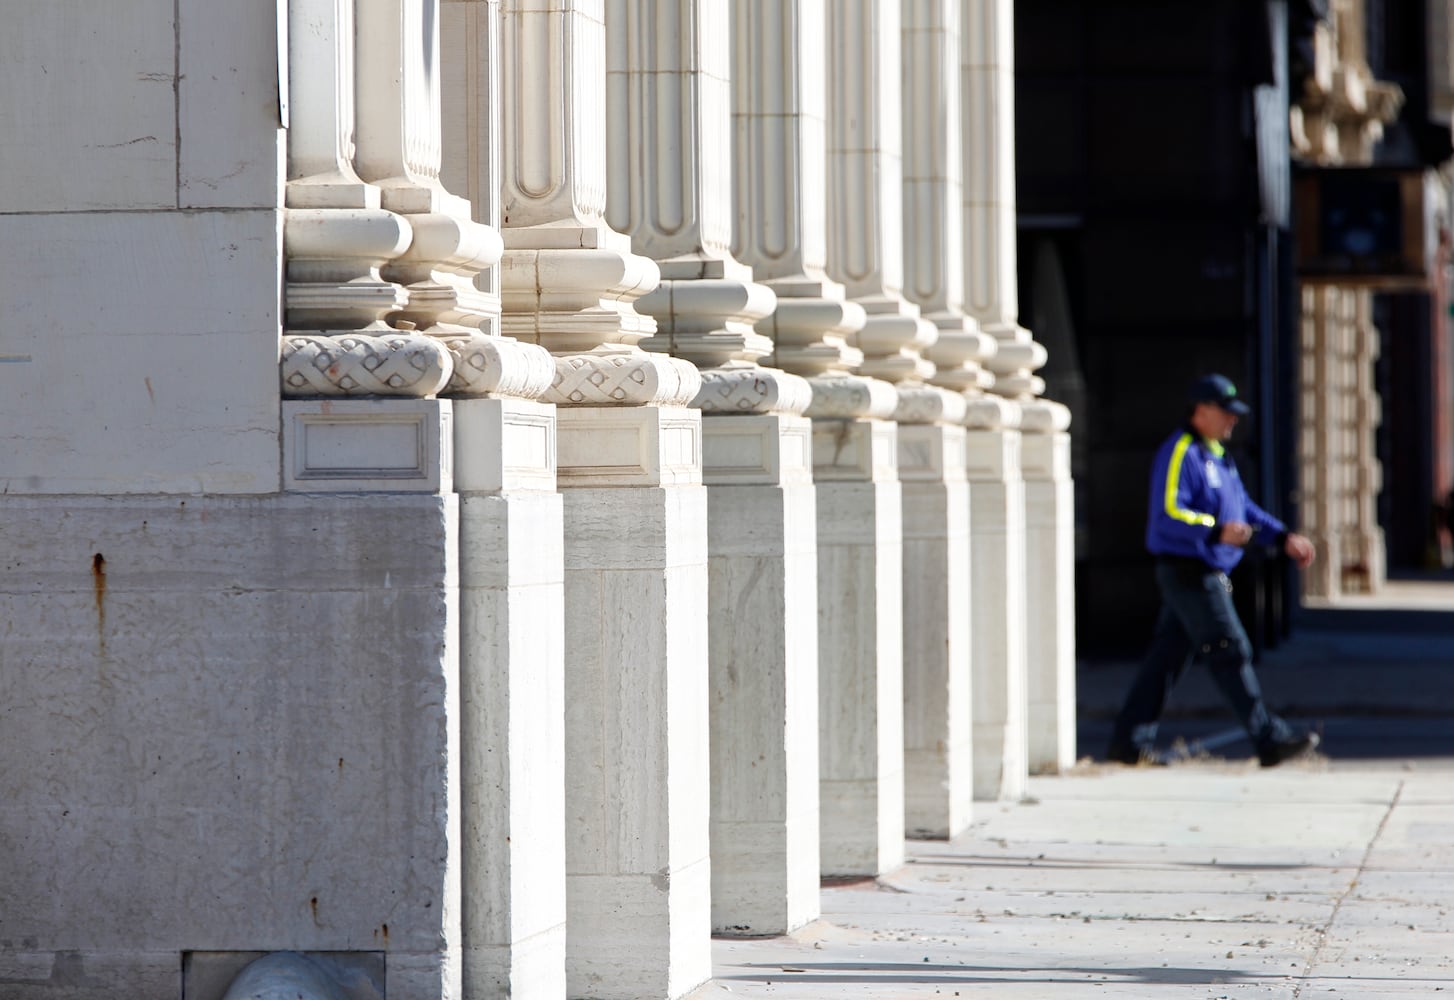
(625,378)
(851,396)
(397,364)
(748,388)
(496,366)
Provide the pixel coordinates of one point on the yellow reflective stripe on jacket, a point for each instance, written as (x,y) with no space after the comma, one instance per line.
(1173,476)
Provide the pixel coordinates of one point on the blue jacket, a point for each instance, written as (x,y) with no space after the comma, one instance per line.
(1195,489)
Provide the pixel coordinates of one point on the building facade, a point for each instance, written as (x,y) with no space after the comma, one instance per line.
(544,483)
(1161,235)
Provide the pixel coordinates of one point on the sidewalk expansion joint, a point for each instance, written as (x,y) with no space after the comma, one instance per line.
(1322,933)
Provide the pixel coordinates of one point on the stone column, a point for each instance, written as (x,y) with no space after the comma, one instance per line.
(779,110)
(996,481)
(638,872)
(1049,585)
(669,89)
(937,691)
(511,583)
(866,251)
(998,623)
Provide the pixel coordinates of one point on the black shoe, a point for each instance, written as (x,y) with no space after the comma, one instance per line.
(1275,753)
(1125,753)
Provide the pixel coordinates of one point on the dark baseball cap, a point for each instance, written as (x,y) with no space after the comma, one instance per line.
(1220,390)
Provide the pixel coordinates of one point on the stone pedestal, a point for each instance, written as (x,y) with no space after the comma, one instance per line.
(937,713)
(248,700)
(998,624)
(1050,600)
(764,672)
(860,646)
(638,874)
(512,699)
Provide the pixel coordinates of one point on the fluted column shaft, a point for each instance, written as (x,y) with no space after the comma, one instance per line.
(934,266)
(399,149)
(779,113)
(988,107)
(865,187)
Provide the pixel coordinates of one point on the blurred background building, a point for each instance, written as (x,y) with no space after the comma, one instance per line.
(1257,187)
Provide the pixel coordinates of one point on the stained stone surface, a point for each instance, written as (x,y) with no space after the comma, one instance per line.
(235,718)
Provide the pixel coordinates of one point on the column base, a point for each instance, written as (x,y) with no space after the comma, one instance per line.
(1050,601)
(938,733)
(636,646)
(513,701)
(762,557)
(998,623)
(860,643)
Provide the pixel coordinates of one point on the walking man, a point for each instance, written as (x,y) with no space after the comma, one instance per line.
(1199,522)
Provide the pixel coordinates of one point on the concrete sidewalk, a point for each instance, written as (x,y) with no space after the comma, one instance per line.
(1212,878)
(1203,880)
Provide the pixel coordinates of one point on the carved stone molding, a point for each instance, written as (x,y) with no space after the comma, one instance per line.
(844,395)
(929,404)
(1044,416)
(892,339)
(333,260)
(575,299)
(614,377)
(387,363)
(1014,364)
(1339,116)
(959,355)
(744,388)
(809,330)
(496,366)
(708,319)
(439,270)
(987,109)
(988,413)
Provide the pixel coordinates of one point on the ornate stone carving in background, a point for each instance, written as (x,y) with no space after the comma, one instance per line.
(1337,120)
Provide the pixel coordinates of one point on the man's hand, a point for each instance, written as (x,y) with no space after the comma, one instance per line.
(1236,533)
(1299,549)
